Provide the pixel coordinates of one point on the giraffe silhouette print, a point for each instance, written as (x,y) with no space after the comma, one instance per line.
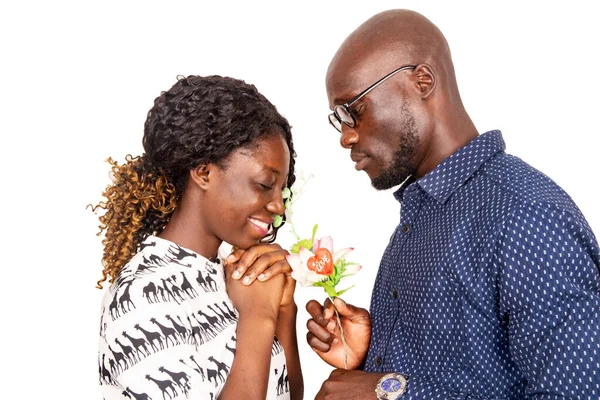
(167,329)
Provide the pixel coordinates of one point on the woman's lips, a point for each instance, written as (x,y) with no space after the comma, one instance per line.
(261,226)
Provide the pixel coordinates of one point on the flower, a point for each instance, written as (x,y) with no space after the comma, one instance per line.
(314,262)
(320,266)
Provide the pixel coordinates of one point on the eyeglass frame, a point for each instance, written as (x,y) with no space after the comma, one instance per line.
(346,106)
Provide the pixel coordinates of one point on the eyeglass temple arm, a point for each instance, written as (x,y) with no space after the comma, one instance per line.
(373,86)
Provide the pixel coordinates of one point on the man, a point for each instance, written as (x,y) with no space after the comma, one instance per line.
(490,285)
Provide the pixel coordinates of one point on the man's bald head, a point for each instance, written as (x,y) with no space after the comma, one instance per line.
(385,42)
(408,124)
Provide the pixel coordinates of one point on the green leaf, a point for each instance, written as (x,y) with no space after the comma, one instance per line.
(314,232)
(288,204)
(341,292)
(286,193)
(278,221)
(295,248)
(306,243)
(329,289)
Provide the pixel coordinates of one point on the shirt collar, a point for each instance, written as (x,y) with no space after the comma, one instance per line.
(454,171)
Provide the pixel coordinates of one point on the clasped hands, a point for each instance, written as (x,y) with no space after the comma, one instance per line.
(266,263)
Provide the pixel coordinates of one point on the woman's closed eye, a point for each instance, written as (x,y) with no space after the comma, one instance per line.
(265,186)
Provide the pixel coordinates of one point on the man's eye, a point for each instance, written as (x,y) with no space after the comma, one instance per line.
(357,110)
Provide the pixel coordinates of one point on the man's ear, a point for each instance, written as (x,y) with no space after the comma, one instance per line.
(201,175)
(425,80)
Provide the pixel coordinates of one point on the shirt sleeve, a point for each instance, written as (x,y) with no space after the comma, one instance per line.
(160,359)
(549,294)
(165,373)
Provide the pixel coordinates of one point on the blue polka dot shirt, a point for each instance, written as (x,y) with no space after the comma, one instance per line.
(490,285)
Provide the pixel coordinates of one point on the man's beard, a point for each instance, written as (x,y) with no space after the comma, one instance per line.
(403,160)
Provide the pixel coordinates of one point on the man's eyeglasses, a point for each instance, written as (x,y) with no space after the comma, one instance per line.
(342,113)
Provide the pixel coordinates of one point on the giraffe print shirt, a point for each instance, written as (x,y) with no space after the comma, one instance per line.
(168,329)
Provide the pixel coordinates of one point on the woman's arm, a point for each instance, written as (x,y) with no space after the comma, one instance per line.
(258,307)
(249,375)
(286,333)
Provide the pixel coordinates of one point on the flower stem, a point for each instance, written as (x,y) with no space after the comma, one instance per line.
(294,232)
(341,334)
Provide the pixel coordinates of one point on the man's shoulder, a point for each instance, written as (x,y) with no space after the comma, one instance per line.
(526,185)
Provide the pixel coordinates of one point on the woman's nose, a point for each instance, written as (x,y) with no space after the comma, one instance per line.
(276,205)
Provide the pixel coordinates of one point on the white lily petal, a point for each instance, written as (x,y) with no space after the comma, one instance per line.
(341,253)
(300,276)
(326,242)
(312,277)
(294,261)
(352,269)
(305,254)
(316,244)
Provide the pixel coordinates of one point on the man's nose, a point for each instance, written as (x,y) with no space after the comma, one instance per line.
(348,137)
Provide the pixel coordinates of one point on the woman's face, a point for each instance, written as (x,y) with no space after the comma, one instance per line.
(243,198)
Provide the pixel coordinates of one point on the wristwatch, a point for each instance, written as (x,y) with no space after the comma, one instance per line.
(391,386)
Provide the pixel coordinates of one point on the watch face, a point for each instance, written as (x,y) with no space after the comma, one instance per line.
(391,385)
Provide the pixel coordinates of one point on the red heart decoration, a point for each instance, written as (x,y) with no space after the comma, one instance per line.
(321,262)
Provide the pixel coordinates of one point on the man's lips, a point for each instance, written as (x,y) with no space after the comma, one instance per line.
(360,160)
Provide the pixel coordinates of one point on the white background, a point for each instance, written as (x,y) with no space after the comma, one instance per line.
(77,80)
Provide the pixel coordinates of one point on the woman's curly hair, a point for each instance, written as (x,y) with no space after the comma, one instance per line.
(199,120)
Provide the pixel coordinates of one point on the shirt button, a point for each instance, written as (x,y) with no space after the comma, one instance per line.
(378,361)
(406,228)
(395,294)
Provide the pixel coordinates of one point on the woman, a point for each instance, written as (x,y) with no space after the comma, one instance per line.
(175,323)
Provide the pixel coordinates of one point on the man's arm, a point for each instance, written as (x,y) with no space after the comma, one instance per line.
(550,292)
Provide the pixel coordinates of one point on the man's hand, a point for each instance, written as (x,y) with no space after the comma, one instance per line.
(349,385)
(324,334)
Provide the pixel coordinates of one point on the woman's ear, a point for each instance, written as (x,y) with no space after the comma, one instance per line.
(425,80)
(201,175)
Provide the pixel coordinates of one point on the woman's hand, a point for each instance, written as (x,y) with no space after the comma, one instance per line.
(258,262)
(262,262)
(261,300)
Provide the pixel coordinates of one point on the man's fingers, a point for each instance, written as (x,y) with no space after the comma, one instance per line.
(321,316)
(328,309)
(323,333)
(315,309)
(349,311)
(316,344)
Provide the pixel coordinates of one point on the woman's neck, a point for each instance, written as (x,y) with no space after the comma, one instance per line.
(192,236)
